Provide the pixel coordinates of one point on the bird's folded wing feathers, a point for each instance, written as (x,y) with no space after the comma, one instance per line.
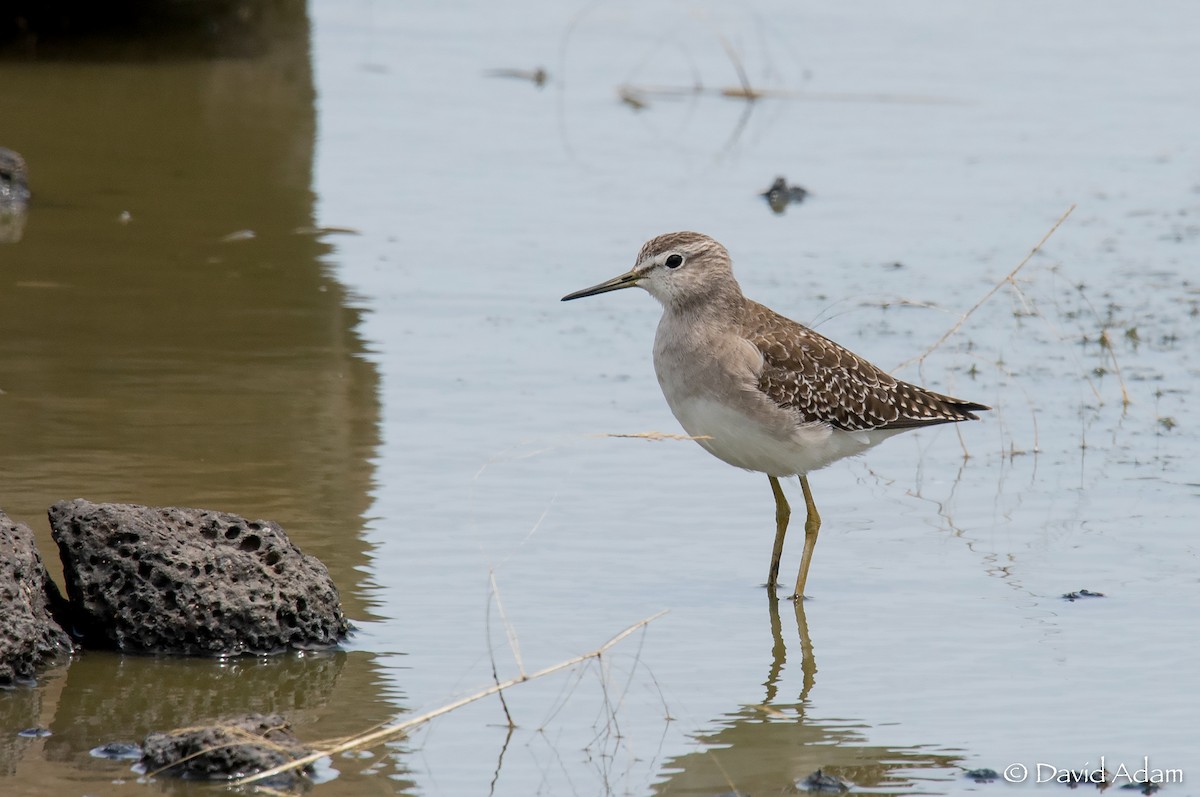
(824,382)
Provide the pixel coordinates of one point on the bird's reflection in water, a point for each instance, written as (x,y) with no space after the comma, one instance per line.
(773,746)
(808,663)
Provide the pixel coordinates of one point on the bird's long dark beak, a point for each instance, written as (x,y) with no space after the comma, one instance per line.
(627,280)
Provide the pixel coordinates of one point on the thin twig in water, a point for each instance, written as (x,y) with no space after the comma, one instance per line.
(645,91)
(487,622)
(500,760)
(402,728)
(1010,279)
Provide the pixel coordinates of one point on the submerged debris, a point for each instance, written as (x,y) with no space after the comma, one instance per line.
(326,230)
(1083,593)
(537,77)
(632,97)
(117,751)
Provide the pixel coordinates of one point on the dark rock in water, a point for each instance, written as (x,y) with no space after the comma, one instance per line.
(823,783)
(30,605)
(984,775)
(191,581)
(230,749)
(1083,593)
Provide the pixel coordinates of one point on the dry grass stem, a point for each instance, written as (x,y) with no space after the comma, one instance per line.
(1106,342)
(746,91)
(508,626)
(657,436)
(398,729)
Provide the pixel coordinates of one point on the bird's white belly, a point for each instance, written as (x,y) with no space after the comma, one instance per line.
(777,449)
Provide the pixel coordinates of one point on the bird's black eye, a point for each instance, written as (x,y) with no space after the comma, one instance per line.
(674,261)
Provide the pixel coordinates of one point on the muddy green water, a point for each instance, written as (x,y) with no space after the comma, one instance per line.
(316,280)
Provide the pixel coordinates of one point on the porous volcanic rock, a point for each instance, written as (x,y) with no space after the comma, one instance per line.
(190,581)
(229,749)
(30,635)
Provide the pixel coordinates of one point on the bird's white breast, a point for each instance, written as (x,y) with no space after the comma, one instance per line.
(747,442)
(711,385)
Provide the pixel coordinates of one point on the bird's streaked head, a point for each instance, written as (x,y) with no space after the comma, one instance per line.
(677,269)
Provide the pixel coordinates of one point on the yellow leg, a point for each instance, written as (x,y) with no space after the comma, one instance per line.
(783,513)
(812,525)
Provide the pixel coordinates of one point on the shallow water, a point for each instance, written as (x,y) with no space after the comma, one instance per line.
(415,406)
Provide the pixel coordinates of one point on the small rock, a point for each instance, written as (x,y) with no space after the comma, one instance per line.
(230,749)
(191,581)
(34,733)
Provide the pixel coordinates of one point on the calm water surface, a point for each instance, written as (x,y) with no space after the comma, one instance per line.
(385,369)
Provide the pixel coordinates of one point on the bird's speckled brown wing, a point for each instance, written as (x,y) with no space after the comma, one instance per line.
(822,381)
